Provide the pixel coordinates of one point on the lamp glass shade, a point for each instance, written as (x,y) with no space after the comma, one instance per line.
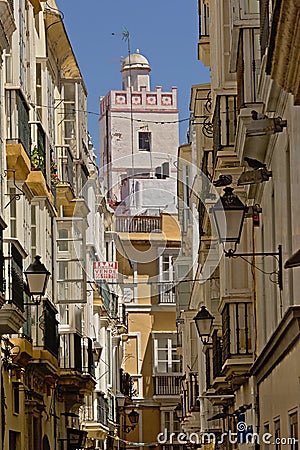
(203,321)
(133,417)
(178,411)
(37,277)
(229,214)
(293,261)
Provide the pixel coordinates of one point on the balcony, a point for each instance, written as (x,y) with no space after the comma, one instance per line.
(11,313)
(167,293)
(88,366)
(102,410)
(204,39)
(167,385)
(97,427)
(217,354)
(50,328)
(282,56)
(224,124)
(138,224)
(218,382)
(77,367)
(109,299)
(237,349)
(18,117)
(64,163)
(193,392)
(126,384)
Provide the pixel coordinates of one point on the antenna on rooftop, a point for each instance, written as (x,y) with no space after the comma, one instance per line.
(126,37)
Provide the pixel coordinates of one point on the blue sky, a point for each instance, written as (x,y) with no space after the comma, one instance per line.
(165,31)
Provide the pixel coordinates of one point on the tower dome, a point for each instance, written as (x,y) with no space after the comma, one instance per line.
(135,61)
(135,72)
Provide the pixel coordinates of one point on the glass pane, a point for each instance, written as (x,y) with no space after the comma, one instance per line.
(162,367)
(162,355)
(251,6)
(162,343)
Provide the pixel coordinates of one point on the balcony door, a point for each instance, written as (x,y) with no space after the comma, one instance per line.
(167,277)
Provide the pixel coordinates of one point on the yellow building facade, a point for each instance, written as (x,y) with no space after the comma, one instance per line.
(150,355)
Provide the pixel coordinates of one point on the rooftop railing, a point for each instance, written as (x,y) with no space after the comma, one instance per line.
(138,224)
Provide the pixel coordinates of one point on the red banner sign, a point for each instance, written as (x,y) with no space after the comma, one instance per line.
(104,270)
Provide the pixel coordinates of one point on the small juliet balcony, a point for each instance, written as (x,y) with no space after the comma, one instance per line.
(12,312)
(167,294)
(96,422)
(193,392)
(166,385)
(77,367)
(126,384)
(237,346)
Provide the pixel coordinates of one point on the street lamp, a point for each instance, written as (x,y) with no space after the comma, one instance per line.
(133,417)
(179,412)
(229,215)
(204,321)
(37,277)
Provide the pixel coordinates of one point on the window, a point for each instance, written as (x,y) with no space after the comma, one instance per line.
(250,7)
(166,359)
(203,10)
(17,286)
(144,140)
(62,241)
(208,368)
(23,119)
(69,115)
(170,422)
(51,341)
(14,440)
(167,273)
(248,68)
(294,431)
(266,431)
(13,212)
(38,90)
(16,398)
(1,262)
(277,434)
(237,325)
(33,232)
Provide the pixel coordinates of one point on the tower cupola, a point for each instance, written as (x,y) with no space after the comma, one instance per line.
(135,72)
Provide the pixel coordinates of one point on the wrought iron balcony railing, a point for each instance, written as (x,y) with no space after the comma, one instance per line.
(138,224)
(126,384)
(50,328)
(217,354)
(76,353)
(102,410)
(167,293)
(193,391)
(166,384)
(237,330)
(13,276)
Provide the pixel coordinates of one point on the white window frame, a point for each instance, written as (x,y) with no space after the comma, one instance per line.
(173,419)
(171,340)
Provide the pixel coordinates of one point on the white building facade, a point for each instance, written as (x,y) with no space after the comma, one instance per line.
(139,141)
